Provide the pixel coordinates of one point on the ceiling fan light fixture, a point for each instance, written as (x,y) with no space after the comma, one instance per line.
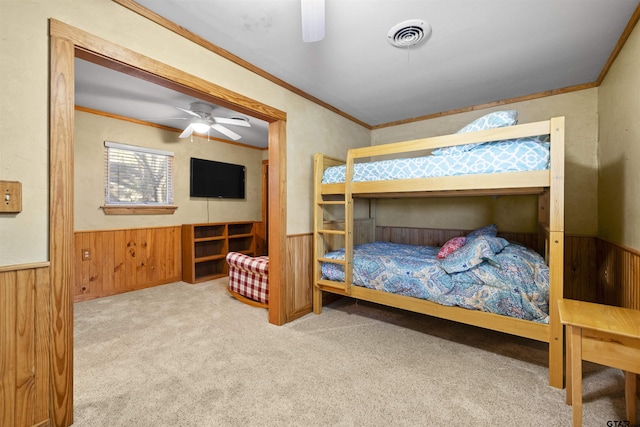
(200,126)
(409,33)
(312,20)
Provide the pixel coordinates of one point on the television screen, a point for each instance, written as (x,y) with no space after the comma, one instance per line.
(216,179)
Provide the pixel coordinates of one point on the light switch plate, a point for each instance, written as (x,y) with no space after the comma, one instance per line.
(11,194)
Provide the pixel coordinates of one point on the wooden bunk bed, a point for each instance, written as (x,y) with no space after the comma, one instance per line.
(548,184)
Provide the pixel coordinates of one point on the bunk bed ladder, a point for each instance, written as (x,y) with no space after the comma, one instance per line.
(329,234)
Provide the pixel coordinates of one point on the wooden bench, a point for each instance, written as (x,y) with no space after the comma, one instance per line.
(605,335)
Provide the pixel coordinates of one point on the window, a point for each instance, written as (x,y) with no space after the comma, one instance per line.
(137,178)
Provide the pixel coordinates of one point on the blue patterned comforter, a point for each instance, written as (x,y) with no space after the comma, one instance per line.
(514,155)
(488,274)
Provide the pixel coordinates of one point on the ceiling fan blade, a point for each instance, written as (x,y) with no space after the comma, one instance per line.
(187,132)
(188,111)
(166,118)
(237,122)
(228,132)
(312,20)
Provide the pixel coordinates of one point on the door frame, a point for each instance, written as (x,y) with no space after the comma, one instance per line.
(67,42)
(265,205)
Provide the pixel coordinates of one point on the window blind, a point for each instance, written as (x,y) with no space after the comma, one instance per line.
(137,175)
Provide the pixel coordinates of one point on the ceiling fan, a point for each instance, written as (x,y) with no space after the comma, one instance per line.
(312,12)
(203,121)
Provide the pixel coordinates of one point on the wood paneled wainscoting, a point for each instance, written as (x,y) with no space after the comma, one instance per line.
(299,267)
(580,268)
(115,261)
(594,270)
(24,345)
(618,275)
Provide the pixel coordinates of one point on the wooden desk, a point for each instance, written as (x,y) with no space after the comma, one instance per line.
(605,335)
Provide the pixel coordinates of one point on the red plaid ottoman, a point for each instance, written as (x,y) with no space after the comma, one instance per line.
(248,277)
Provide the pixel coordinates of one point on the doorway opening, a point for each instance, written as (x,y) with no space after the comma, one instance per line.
(67,42)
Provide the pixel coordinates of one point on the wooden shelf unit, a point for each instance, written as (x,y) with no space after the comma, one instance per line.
(205,247)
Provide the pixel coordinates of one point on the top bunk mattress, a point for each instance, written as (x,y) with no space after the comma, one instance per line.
(514,155)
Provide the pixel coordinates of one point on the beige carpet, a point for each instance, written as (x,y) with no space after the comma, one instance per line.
(191,355)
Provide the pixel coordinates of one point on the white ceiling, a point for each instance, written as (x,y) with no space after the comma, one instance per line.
(103,89)
(479,51)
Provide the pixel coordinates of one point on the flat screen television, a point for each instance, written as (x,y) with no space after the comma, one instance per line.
(216,179)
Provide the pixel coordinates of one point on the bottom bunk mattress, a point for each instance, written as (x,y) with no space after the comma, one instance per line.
(487,273)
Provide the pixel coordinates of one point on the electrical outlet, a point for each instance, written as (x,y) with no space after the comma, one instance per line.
(86,254)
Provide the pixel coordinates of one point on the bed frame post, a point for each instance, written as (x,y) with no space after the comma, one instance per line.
(556,252)
(348,222)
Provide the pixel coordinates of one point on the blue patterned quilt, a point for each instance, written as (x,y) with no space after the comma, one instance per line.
(487,273)
(514,155)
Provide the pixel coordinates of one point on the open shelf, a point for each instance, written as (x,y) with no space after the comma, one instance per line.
(205,247)
(209,231)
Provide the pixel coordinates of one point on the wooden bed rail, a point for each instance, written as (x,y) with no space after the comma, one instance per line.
(510,132)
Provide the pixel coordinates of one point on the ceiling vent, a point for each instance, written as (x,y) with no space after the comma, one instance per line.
(409,33)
